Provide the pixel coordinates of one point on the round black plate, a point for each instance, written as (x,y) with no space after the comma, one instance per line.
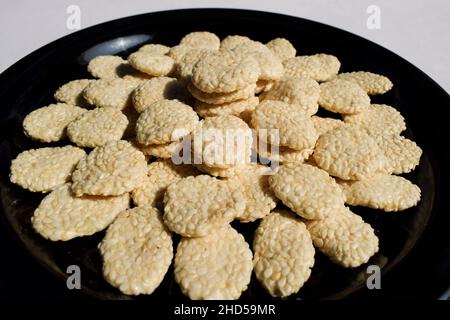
(414,245)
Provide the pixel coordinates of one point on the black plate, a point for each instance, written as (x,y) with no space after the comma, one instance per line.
(414,245)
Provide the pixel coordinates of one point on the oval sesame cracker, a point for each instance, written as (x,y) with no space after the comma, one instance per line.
(224,72)
(97,127)
(349,152)
(382,191)
(185,66)
(137,251)
(158,89)
(72,93)
(218,266)
(379,119)
(220,98)
(320,67)
(252,188)
(344,237)
(108,67)
(179,51)
(232,41)
(63,216)
(230,108)
(154,65)
(154,49)
(301,91)
(308,191)
(111,93)
(48,124)
(222,141)
(112,169)
(402,154)
(282,48)
(201,39)
(343,96)
(283,154)
(282,274)
(372,83)
(165,150)
(295,128)
(44,169)
(270,66)
(323,125)
(198,206)
(138,76)
(163,122)
(228,172)
(160,175)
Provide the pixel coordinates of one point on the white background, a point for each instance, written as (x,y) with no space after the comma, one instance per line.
(418,30)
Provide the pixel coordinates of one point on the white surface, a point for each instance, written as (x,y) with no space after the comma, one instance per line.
(417,30)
